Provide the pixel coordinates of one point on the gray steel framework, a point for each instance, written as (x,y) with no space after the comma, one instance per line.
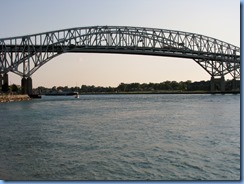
(23,55)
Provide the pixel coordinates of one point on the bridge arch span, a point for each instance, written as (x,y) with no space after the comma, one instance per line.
(25,54)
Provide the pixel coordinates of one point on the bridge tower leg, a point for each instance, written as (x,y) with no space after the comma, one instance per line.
(212,84)
(222,83)
(234,85)
(1,81)
(218,83)
(24,85)
(5,83)
(29,86)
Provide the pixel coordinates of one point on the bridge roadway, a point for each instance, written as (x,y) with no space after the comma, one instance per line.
(23,55)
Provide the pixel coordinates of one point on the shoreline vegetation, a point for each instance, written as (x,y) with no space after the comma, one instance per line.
(170,87)
(160,92)
(167,87)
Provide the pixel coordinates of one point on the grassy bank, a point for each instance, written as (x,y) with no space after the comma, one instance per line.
(13,98)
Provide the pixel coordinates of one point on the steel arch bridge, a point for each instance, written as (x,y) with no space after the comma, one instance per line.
(23,55)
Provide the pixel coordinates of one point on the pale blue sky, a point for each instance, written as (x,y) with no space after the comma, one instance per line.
(214,18)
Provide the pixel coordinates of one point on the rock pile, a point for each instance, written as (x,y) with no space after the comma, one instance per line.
(13,98)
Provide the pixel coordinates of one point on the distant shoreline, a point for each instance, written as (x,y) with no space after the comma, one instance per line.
(161,92)
(152,92)
(16,98)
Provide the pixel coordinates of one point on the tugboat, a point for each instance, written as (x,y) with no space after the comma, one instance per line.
(61,93)
(34,96)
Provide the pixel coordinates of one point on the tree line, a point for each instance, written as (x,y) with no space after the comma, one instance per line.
(138,87)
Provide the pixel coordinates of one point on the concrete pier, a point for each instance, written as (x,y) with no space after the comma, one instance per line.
(5,83)
(234,84)
(26,85)
(222,84)
(217,84)
(212,83)
(1,81)
(29,86)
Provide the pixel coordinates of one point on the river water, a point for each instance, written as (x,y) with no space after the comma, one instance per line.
(121,137)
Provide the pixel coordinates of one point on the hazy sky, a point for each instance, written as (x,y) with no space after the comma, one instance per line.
(215,18)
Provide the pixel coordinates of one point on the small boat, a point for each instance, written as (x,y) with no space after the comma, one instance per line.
(77,95)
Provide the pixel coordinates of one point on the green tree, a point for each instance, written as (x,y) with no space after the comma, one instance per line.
(122,87)
(14,88)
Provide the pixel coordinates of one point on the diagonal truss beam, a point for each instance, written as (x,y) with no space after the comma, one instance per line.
(25,54)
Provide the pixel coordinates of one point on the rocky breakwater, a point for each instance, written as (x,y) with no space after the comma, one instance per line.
(13,98)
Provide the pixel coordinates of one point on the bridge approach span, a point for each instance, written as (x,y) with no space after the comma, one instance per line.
(23,55)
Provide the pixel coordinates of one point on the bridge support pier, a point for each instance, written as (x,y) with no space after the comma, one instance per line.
(234,85)
(217,84)
(5,82)
(212,84)
(26,85)
(29,86)
(1,81)
(222,84)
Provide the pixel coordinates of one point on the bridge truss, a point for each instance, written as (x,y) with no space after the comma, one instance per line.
(25,54)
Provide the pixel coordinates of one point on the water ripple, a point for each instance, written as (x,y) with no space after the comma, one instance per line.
(122,137)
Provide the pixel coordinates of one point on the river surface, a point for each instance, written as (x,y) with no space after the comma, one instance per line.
(121,137)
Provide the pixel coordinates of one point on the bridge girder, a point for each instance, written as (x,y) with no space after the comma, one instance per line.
(25,54)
